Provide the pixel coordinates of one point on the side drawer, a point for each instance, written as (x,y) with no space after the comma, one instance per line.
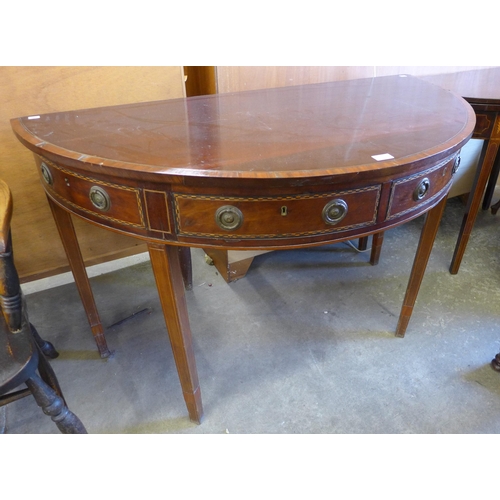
(275,216)
(112,202)
(412,193)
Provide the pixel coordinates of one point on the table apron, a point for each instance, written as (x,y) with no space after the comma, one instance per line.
(293,218)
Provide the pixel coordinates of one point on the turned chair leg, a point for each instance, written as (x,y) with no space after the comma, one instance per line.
(494,208)
(47,348)
(495,362)
(54,406)
(47,373)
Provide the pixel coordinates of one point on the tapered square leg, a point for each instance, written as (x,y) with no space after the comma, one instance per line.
(70,242)
(486,161)
(427,237)
(377,241)
(170,284)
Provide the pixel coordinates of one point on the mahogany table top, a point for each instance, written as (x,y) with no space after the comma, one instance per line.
(300,131)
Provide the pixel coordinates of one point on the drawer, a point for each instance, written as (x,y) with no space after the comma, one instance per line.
(112,202)
(275,216)
(414,192)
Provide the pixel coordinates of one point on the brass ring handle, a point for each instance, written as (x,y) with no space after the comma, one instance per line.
(228,217)
(334,211)
(422,189)
(46,174)
(99,198)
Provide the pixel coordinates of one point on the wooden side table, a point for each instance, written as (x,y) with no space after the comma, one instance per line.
(260,170)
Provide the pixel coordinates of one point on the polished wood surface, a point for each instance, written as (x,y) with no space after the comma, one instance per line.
(310,131)
(481,88)
(233,264)
(268,169)
(31,89)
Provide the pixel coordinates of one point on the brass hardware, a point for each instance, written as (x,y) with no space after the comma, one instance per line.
(46,174)
(228,217)
(334,211)
(455,165)
(99,198)
(422,189)
(284,211)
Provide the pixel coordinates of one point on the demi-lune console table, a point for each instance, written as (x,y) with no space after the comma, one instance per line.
(268,169)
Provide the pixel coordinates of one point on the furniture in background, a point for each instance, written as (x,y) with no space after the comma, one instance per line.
(269,169)
(495,207)
(21,348)
(481,89)
(469,161)
(495,362)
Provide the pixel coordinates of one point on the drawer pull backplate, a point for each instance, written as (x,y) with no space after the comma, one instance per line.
(422,189)
(228,217)
(334,211)
(99,198)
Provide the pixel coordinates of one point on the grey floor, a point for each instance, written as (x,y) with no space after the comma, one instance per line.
(303,344)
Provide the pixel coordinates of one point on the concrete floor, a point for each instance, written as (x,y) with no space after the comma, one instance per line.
(303,344)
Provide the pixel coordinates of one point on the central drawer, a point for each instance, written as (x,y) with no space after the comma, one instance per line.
(275,216)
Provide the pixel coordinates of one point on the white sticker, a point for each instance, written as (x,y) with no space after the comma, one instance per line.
(33,117)
(385,156)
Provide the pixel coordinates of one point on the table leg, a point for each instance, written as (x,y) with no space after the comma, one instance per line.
(492,181)
(427,237)
(363,243)
(170,284)
(482,175)
(377,241)
(186,267)
(69,240)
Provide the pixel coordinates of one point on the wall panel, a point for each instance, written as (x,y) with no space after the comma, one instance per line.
(421,70)
(236,78)
(35,90)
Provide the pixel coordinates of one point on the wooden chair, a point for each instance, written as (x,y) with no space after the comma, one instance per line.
(22,350)
(495,363)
